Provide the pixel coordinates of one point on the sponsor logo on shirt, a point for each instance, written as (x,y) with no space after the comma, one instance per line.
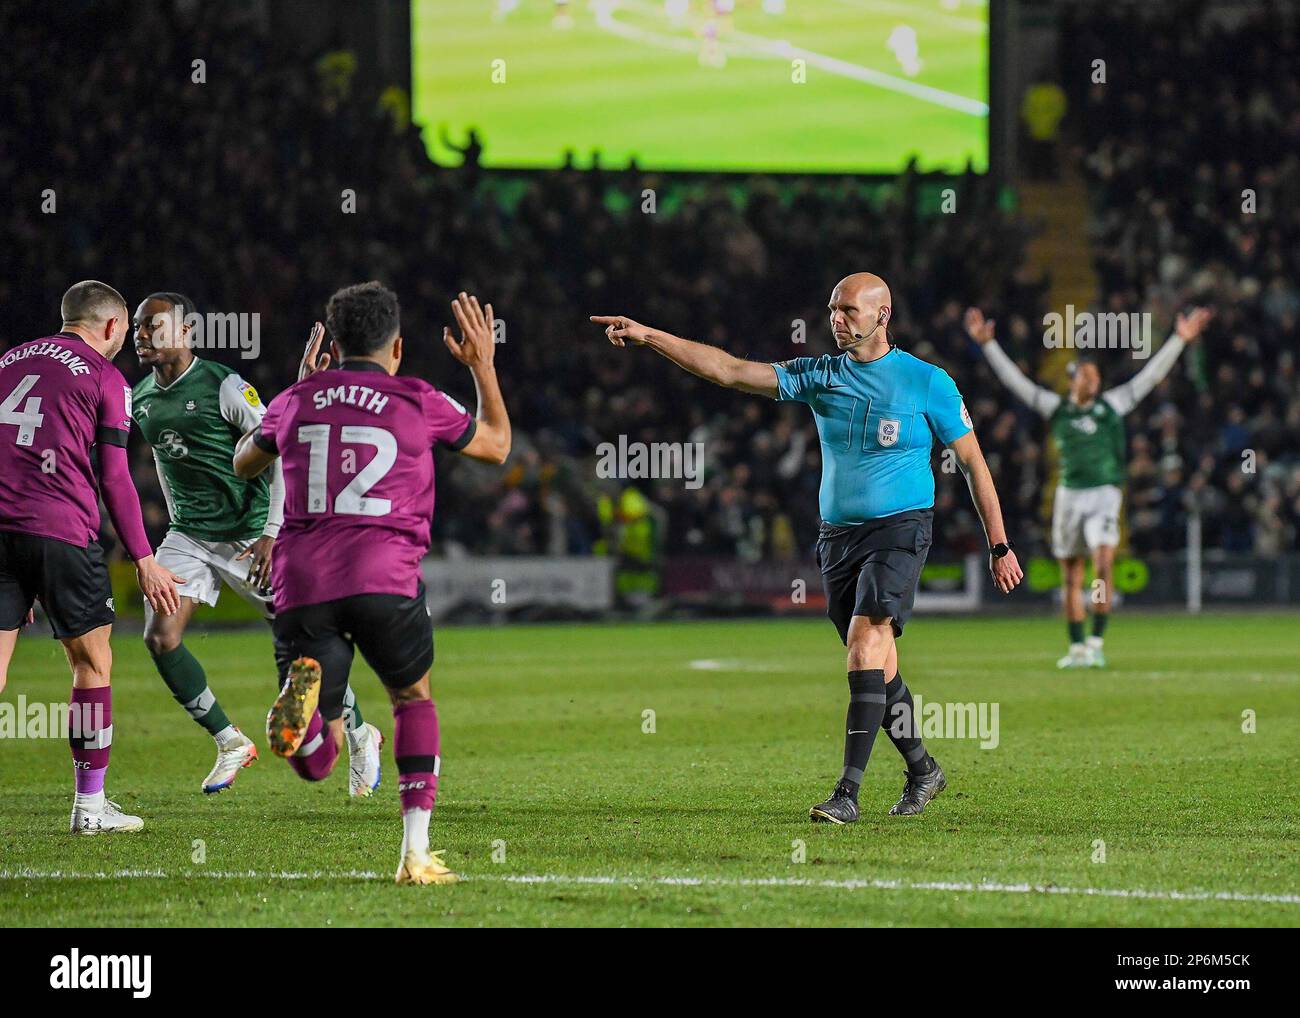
(173,445)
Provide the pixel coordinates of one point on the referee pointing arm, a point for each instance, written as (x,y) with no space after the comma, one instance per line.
(878,411)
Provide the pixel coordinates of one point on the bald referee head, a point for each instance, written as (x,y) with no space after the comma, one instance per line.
(860,308)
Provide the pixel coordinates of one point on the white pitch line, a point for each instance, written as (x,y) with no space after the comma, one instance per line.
(957,887)
(761,45)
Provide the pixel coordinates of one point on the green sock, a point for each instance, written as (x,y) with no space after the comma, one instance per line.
(352,719)
(185,678)
(1099,621)
(1076,632)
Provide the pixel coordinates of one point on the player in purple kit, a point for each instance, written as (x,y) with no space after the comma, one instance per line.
(356,444)
(61,397)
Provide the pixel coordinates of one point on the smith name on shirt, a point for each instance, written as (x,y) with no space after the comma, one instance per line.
(354,394)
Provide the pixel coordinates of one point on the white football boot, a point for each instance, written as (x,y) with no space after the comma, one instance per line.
(1096,655)
(1077,658)
(238,753)
(94,814)
(364,760)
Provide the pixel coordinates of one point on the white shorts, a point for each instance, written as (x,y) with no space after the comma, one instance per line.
(1085,519)
(206,565)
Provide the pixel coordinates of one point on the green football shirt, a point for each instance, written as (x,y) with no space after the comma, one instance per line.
(192,426)
(1090,441)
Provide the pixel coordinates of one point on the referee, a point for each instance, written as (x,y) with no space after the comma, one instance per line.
(878,411)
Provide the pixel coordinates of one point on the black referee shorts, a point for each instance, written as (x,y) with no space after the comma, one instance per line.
(393,633)
(72,584)
(873,568)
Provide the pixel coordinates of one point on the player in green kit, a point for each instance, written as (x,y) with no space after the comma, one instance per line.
(192,412)
(1087,430)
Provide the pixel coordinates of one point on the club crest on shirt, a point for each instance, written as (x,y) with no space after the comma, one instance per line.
(887,432)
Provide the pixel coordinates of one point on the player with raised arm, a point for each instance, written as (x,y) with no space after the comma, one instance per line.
(878,411)
(192,411)
(357,441)
(1088,431)
(61,403)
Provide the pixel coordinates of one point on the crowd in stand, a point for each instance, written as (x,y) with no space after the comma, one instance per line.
(1191,146)
(235,191)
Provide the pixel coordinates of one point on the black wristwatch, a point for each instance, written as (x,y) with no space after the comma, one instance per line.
(1000,550)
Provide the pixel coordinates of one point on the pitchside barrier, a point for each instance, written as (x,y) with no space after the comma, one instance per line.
(541,587)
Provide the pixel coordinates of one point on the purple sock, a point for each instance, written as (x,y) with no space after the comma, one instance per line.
(90,733)
(318,753)
(415,744)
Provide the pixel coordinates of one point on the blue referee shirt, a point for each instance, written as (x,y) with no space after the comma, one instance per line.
(877,423)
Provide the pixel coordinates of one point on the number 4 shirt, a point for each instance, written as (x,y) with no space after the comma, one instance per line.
(58,398)
(356,444)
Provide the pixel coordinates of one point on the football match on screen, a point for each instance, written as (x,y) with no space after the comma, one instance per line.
(650,463)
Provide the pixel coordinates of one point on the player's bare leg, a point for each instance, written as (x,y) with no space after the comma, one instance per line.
(164,639)
(8,641)
(1103,567)
(90,723)
(415,745)
(1072,595)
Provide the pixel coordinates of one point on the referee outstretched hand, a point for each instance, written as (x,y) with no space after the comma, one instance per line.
(622,330)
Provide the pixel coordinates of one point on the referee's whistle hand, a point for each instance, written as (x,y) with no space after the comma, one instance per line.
(1006,571)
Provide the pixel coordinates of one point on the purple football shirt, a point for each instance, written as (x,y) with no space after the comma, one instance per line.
(356,444)
(58,397)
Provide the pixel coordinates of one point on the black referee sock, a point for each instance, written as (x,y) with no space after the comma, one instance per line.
(866,712)
(904,728)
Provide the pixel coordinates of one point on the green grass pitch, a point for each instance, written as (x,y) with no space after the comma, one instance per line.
(546,761)
(625,79)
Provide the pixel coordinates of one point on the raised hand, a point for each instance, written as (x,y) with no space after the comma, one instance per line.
(978,327)
(312,358)
(1190,325)
(476,347)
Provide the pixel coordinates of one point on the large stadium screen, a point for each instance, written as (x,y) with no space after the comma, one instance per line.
(845,86)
